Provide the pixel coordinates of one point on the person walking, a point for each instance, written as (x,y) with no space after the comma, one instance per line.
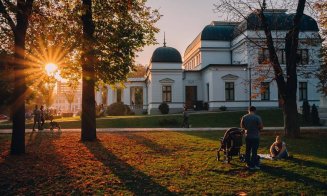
(42,117)
(185,123)
(252,124)
(36,117)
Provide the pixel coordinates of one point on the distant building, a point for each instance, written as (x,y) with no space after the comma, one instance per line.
(67,99)
(217,68)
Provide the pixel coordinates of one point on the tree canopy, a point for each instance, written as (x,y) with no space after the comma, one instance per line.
(321,8)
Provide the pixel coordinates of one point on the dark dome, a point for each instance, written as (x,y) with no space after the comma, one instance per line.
(276,21)
(218,32)
(167,55)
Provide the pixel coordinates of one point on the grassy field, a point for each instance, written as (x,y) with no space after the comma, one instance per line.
(222,119)
(156,163)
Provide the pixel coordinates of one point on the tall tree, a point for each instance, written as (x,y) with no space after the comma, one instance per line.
(287,86)
(88,75)
(113,31)
(17,18)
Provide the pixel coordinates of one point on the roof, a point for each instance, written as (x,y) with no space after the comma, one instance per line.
(277,19)
(166,54)
(218,31)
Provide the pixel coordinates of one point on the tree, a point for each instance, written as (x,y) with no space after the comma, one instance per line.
(88,75)
(287,83)
(321,7)
(113,31)
(17,20)
(20,41)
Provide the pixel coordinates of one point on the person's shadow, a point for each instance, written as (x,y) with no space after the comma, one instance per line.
(133,179)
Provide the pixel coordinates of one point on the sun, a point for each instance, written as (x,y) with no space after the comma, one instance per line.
(51,68)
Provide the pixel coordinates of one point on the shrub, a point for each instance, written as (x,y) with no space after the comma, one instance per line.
(169,122)
(222,108)
(206,106)
(306,111)
(164,108)
(315,115)
(67,114)
(119,109)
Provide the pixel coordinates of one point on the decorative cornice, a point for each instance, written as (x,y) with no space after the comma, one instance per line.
(167,80)
(229,77)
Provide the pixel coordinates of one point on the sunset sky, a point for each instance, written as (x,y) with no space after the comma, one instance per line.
(182,21)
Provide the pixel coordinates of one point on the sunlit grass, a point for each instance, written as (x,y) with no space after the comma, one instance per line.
(156,163)
(271,118)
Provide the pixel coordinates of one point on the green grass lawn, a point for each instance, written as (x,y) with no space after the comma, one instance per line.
(156,163)
(221,119)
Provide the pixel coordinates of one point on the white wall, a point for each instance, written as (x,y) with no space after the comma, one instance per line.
(215,57)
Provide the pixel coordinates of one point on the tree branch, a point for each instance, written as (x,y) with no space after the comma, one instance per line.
(10,5)
(29,4)
(5,14)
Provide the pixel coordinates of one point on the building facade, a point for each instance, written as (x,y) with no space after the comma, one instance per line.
(226,65)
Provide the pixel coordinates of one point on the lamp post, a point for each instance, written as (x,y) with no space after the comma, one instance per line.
(250,84)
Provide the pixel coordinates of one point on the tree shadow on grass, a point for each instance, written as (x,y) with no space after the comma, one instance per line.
(158,149)
(38,172)
(291,176)
(36,138)
(307,163)
(133,179)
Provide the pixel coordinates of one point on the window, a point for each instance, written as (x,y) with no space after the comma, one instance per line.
(303,91)
(263,56)
(119,95)
(136,96)
(281,54)
(166,93)
(104,95)
(303,56)
(229,91)
(265,91)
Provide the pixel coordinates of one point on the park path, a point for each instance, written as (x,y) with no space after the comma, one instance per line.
(303,129)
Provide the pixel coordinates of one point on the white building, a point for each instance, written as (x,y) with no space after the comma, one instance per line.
(220,65)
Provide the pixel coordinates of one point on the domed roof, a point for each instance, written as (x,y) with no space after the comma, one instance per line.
(277,20)
(218,32)
(167,55)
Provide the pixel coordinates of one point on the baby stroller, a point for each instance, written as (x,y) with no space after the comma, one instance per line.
(231,144)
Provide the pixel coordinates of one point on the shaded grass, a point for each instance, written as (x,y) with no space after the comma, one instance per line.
(156,163)
(271,118)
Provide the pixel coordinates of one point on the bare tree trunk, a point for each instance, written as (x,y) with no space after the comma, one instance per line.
(18,106)
(88,76)
(291,124)
(288,88)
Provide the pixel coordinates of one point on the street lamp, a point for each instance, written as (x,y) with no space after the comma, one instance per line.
(250,85)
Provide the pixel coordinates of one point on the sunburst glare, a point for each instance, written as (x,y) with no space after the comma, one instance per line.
(51,69)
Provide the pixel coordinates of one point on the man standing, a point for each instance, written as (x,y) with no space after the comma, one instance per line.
(42,117)
(185,119)
(252,124)
(36,117)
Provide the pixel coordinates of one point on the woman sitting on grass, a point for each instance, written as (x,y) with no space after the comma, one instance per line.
(278,149)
